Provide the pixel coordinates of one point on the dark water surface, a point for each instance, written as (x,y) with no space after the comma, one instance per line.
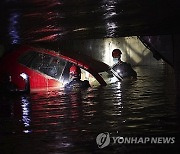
(59,122)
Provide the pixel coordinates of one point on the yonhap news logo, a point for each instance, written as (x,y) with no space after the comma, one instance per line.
(104,139)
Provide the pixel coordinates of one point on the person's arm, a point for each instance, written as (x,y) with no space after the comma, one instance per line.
(132,71)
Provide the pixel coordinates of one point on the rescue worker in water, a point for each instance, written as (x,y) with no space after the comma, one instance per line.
(8,87)
(122,69)
(75,79)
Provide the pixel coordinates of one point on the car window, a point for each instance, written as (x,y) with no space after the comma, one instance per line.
(26,59)
(64,77)
(44,63)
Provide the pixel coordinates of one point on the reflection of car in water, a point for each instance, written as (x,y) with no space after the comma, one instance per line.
(49,70)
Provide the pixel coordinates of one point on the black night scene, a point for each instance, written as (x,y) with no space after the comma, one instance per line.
(89,76)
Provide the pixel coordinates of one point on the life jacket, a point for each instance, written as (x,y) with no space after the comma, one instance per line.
(124,70)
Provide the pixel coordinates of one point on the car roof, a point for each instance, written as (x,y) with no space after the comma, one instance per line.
(93,63)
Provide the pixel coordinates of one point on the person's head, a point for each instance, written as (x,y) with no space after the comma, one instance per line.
(75,72)
(24,76)
(116,54)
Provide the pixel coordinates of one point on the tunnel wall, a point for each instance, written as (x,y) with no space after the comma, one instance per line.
(133,50)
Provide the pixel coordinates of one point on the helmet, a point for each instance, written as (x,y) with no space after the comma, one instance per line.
(75,70)
(116,53)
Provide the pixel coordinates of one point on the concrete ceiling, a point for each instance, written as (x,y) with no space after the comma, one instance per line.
(44,20)
(114,18)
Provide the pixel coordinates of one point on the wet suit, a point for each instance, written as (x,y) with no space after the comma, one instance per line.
(77,84)
(124,70)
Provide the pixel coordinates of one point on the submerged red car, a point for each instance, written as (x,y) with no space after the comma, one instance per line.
(48,69)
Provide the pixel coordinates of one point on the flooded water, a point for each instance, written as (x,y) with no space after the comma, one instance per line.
(60,122)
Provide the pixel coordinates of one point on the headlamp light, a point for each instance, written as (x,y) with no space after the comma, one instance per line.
(118,71)
(24,76)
